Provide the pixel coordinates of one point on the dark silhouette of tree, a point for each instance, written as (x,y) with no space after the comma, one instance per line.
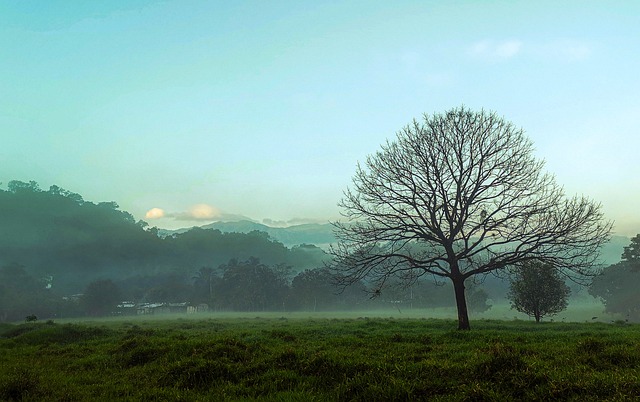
(538,290)
(251,286)
(617,286)
(313,290)
(457,195)
(204,282)
(631,253)
(16,186)
(477,299)
(425,293)
(101,297)
(22,294)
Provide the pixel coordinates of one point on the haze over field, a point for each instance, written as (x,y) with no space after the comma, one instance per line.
(188,112)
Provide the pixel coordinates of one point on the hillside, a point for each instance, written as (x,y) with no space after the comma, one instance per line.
(57,234)
(320,235)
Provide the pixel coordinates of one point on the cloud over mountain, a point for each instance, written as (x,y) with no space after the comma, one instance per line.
(197,213)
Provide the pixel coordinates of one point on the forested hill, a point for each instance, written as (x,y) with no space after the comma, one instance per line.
(57,233)
(311,233)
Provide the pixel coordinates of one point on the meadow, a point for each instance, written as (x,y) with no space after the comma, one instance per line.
(270,357)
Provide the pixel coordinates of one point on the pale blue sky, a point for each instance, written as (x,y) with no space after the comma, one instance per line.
(263,108)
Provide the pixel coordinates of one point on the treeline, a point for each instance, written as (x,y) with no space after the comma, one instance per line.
(61,255)
(56,234)
(55,247)
(53,243)
(242,286)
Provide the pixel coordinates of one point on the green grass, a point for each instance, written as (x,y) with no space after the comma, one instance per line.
(315,359)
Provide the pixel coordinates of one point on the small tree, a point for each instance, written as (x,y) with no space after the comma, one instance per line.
(537,290)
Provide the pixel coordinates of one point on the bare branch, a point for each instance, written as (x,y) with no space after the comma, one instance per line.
(461,194)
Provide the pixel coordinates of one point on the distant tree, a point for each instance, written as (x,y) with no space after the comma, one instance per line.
(631,253)
(168,287)
(22,294)
(427,294)
(458,195)
(251,286)
(61,192)
(537,290)
(204,282)
(15,186)
(313,290)
(617,286)
(101,297)
(478,299)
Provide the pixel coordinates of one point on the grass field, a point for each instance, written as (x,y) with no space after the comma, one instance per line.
(318,359)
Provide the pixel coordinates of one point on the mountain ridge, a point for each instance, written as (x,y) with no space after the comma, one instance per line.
(319,234)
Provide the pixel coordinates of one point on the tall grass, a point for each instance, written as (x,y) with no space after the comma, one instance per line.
(319,359)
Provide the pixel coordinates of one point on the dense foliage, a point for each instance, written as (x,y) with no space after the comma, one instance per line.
(58,233)
(21,294)
(53,244)
(617,286)
(538,290)
(63,256)
(101,297)
(631,253)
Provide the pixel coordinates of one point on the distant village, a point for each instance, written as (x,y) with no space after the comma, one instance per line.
(131,308)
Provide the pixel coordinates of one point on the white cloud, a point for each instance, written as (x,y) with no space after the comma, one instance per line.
(564,49)
(203,212)
(496,51)
(197,213)
(154,213)
(559,49)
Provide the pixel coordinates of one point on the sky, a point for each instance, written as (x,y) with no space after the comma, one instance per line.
(188,111)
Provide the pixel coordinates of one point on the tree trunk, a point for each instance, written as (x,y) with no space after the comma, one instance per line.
(461,303)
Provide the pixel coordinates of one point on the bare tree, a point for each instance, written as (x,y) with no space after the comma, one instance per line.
(457,195)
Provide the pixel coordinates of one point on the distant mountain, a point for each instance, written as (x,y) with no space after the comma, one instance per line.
(321,235)
(318,234)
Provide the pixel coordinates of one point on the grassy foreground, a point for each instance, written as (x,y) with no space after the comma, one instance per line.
(318,360)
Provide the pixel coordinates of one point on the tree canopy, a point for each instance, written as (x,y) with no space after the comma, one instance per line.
(538,290)
(456,195)
(631,253)
(617,285)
